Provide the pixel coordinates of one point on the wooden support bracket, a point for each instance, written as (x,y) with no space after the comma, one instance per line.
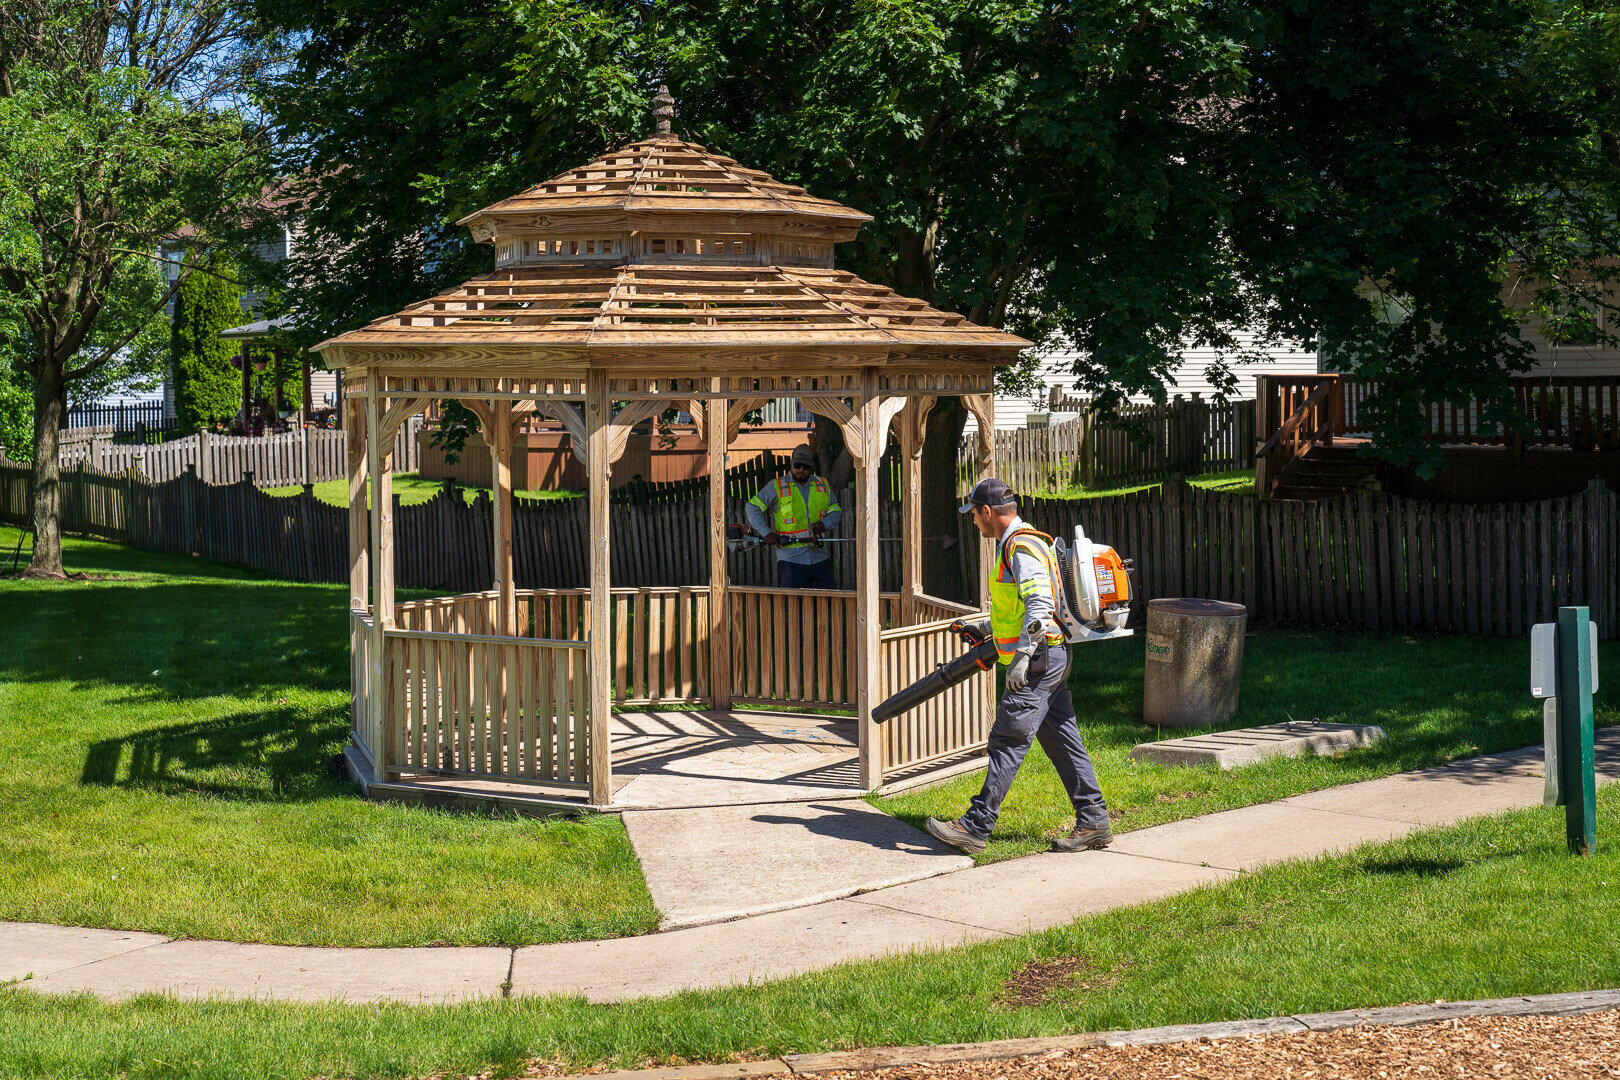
(625,420)
(839,412)
(983,408)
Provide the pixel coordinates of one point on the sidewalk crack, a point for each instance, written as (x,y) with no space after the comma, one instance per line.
(511,966)
(861,899)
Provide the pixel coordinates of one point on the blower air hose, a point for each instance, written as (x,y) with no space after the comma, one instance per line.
(982,657)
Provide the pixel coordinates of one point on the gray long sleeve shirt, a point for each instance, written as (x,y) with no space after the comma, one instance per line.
(761,524)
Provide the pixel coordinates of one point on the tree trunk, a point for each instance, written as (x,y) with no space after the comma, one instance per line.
(50,409)
(942,565)
(835,464)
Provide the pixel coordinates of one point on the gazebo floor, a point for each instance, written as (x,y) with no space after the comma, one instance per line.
(670,758)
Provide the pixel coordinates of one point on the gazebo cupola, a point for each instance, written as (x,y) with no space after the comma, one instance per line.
(660,274)
(663,200)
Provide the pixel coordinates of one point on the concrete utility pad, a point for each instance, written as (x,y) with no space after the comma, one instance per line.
(727,862)
(1245,746)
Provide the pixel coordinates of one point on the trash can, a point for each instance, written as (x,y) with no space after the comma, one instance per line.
(1194,661)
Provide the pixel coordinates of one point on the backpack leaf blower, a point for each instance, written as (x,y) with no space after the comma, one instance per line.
(1093,603)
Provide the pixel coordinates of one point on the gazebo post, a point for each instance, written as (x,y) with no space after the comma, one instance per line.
(379,454)
(868,618)
(719,604)
(598,425)
(913,421)
(500,454)
(983,408)
(359,523)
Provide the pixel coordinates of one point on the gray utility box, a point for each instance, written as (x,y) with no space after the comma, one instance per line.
(1194,661)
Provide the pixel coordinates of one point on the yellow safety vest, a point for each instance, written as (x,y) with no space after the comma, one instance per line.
(791,516)
(1006,598)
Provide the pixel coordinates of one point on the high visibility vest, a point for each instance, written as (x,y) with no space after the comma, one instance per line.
(791,517)
(1006,598)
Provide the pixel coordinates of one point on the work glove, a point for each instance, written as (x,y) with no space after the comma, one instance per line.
(819,529)
(1018,672)
(773,539)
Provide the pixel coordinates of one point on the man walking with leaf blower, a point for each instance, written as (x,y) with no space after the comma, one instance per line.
(1024,585)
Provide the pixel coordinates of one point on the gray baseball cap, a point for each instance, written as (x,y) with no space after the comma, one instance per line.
(989,492)
(803,455)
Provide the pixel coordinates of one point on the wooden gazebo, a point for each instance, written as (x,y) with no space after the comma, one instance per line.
(661,274)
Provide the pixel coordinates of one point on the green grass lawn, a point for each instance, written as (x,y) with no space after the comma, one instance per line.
(167,737)
(1237,482)
(411,489)
(1437,697)
(1490,908)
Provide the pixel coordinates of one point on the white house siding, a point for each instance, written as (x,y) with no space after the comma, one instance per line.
(1057,369)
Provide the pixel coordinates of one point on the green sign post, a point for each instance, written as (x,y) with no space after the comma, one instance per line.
(1564,672)
(1575,756)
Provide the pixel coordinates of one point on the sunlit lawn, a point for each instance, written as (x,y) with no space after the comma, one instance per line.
(168,740)
(1437,697)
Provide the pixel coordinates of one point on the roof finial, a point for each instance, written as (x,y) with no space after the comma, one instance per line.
(663,111)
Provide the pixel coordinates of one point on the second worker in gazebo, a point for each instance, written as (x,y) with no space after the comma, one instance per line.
(793,513)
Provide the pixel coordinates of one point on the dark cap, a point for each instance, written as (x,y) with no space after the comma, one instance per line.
(803,455)
(989,492)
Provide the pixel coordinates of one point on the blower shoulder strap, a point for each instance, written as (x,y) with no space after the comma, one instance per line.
(1004,556)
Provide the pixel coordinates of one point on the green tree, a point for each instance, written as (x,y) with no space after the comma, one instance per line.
(1130,177)
(206,385)
(117,128)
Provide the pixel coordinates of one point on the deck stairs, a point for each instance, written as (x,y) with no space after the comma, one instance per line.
(1325,471)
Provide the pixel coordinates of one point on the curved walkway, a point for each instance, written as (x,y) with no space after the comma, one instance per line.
(996,901)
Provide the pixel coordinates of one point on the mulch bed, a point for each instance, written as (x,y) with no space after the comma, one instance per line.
(1542,1047)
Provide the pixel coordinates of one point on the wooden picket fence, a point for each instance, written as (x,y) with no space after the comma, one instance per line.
(444,543)
(1183,438)
(305,456)
(1366,559)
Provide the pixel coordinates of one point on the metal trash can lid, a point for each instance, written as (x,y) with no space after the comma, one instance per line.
(1167,605)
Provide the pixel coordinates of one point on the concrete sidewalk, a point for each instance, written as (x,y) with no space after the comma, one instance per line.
(1007,898)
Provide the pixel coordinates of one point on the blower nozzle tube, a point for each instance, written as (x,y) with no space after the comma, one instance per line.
(982,657)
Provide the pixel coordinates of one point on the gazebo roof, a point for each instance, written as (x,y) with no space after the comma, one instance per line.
(581,310)
(664,182)
(666,256)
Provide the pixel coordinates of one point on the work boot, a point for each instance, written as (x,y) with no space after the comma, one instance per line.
(1081,838)
(953,834)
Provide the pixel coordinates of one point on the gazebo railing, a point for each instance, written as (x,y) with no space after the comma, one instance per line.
(487,707)
(361,719)
(659,640)
(952,724)
(465,700)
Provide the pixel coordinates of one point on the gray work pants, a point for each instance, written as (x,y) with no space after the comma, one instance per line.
(1042,710)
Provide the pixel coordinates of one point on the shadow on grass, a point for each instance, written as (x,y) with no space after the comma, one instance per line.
(178,640)
(281,753)
(1412,866)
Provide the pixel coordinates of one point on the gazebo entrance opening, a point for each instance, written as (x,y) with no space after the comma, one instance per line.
(660,276)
